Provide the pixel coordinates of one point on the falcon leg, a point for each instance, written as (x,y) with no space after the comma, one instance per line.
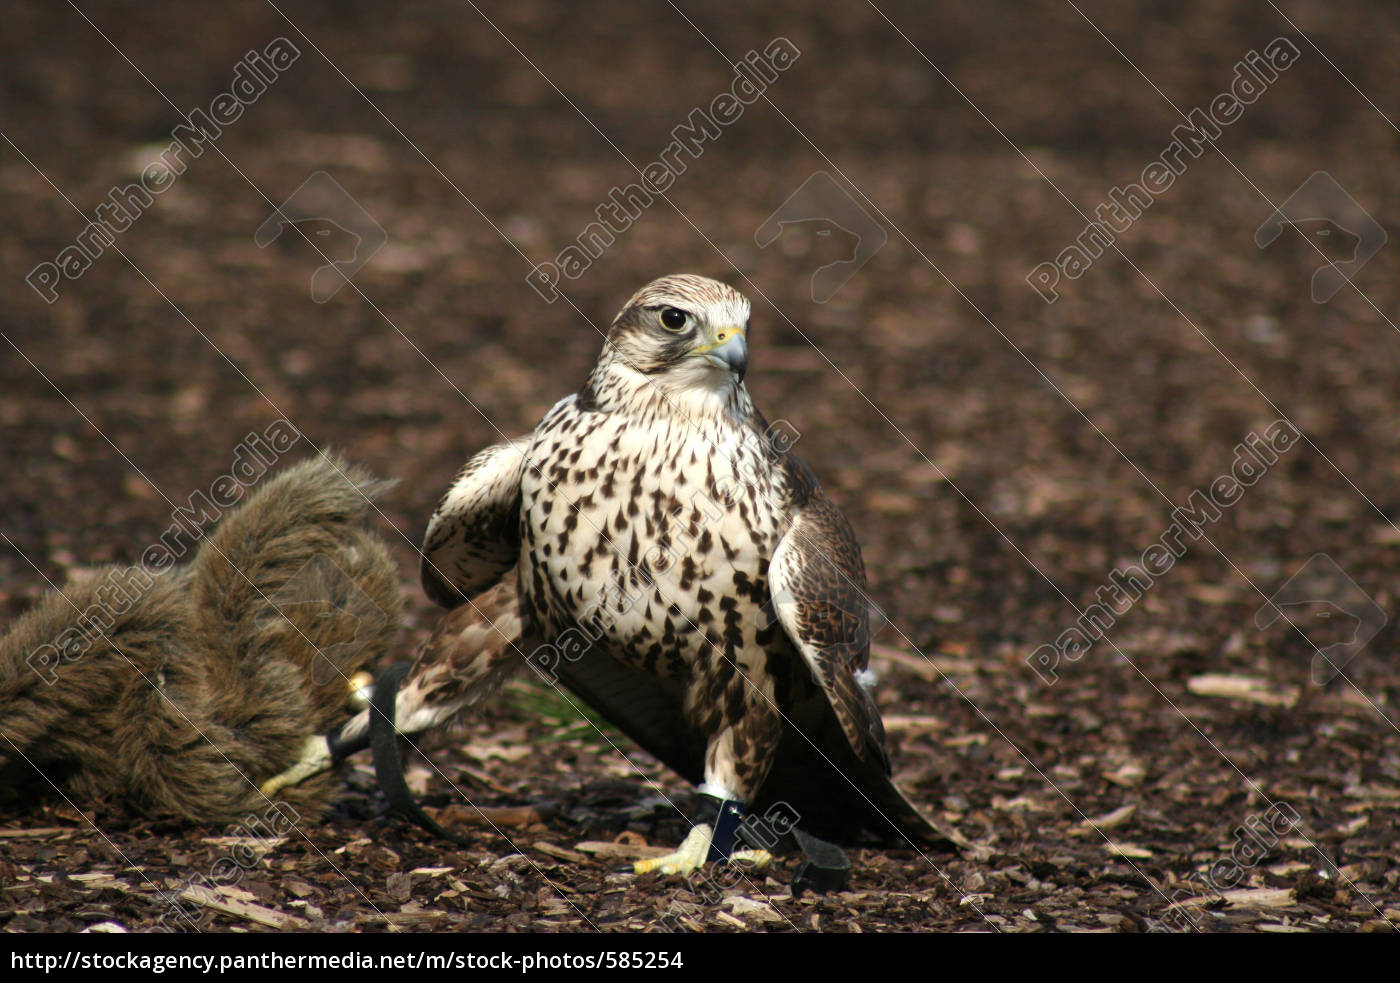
(736,758)
(473,650)
(712,839)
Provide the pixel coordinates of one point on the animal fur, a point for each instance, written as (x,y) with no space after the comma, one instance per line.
(213,678)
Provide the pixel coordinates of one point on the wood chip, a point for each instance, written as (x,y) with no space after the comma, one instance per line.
(399,886)
(931,665)
(483,816)
(964,740)
(896,724)
(96,878)
(504,752)
(256,913)
(730,920)
(762,910)
(485,780)
(1243,688)
(1128,776)
(1253,897)
(1021,802)
(1109,820)
(1385,535)
(263,843)
(6,834)
(623,851)
(1213,594)
(1261,897)
(298,887)
(559,852)
(1355,826)
(112,928)
(236,893)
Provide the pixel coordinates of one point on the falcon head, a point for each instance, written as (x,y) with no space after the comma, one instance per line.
(683,331)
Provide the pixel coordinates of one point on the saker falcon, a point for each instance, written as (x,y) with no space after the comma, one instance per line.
(655,548)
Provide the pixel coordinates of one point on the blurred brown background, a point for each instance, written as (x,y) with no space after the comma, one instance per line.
(997,455)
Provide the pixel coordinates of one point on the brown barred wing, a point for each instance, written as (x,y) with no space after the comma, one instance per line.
(474,536)
(817,582)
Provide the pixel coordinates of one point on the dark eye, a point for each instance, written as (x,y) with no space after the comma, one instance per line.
(674,319)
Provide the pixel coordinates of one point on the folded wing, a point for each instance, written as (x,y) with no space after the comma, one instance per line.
(817,582)
(473,538)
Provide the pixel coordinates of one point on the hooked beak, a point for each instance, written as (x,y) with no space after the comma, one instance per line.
(729,351)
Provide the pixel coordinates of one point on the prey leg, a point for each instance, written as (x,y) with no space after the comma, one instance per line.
(473,650)
(315,758)
(323,751)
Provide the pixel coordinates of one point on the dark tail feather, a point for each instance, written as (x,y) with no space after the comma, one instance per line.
(821,786)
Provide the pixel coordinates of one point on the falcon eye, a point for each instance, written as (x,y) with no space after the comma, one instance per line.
(674,319)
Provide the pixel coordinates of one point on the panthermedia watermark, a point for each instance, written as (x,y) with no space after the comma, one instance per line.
(823,204)
(1321,199)
(1321,582)
(346,617)
(250,841)
(1252,841)
(1254,73)
(252,76)
(341,231)
(123,589)
(753,74)
(1127,583)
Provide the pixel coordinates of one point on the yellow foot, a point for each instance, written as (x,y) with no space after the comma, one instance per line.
(691,855)
(315,758)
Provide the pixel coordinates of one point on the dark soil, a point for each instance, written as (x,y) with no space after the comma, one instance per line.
(998,456)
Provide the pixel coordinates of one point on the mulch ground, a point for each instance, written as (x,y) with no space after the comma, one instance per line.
(998,456)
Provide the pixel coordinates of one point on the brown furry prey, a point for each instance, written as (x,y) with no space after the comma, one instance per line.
(178,690)
(656,547)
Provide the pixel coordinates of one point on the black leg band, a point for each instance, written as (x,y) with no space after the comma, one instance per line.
(730,814)
(341,748)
